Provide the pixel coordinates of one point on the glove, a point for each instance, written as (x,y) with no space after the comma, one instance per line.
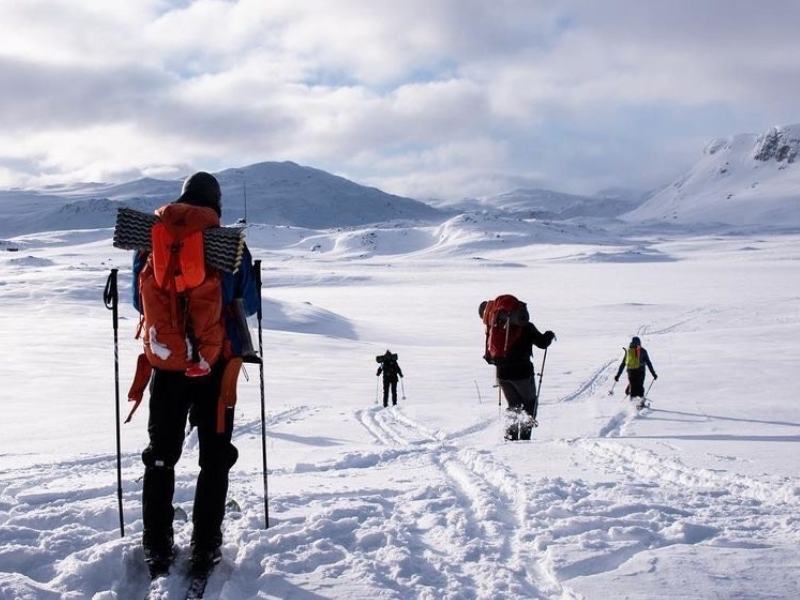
(549,336)
(655,376)
(616,378)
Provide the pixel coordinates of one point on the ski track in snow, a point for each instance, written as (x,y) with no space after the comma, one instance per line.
(474,526)
(487,511)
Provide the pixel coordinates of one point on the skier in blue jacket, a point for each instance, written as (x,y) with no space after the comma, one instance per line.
(174,397)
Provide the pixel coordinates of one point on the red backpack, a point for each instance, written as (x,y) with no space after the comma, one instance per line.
(504,317)
(180,294)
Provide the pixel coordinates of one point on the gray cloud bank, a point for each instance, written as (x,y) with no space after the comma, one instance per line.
(434,98)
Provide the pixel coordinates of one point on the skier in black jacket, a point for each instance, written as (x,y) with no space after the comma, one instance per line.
(391,370)
(635,360)
(516,377)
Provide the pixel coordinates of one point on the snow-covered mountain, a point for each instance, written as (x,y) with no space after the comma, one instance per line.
(747,179)
(284,193)
(552,205)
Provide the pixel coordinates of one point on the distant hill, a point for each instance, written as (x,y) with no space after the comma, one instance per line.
(551,205)
(278,193)
(291,194)
(748,179)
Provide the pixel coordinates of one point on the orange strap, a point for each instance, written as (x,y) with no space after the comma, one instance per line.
(227,392)
(140,380)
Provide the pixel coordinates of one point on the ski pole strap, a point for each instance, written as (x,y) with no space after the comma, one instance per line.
(227,392)
(111,295)
(140,381)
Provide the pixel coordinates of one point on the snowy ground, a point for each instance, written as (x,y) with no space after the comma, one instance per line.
(698,498)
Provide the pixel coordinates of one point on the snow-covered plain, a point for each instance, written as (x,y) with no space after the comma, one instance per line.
(698,498)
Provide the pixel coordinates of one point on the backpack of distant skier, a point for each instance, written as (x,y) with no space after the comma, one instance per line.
(504,318)
(633,357)
(180,294)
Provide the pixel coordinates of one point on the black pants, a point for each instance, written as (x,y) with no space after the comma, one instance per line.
(389,383)
(521,398)
(636,382)
(173,398)
(520,394)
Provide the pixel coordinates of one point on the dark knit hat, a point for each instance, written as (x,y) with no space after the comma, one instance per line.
(635,341)
(202,189)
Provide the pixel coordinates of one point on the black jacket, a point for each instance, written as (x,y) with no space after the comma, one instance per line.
(518,362)
(390,370)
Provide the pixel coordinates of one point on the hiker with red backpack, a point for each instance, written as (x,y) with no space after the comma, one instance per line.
(635,360)
(193,346)
(510,337)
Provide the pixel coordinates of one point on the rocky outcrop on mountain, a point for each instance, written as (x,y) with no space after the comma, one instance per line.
(779,144)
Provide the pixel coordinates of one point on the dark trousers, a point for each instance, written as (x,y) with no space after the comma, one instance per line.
(636,382)
(389,383)
(520,394)
(173,398)
(521,398)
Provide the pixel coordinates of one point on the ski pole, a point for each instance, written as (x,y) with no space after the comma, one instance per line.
(611,391)
(480,400)
(377,387)
(541,374)
(257,273)
(538,391)
(648,388)
(111,300)
(403,388)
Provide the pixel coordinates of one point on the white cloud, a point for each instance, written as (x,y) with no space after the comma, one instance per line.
(570,94)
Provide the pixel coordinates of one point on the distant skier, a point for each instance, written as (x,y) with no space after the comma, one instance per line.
(635,360)
(391,371)
(510,337)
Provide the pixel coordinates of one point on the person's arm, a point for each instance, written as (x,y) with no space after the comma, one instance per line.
(139,261)
(540,340)
(621,367)
(399,370)
(245,284)
(380,370)
(649,364)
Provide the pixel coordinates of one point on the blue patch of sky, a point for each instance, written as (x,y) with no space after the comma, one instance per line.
(444,70)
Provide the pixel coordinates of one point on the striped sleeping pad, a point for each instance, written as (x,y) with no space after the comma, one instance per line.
(224,246)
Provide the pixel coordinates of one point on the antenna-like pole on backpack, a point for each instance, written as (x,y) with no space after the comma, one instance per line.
(257,274)
(111,299)
(245,201)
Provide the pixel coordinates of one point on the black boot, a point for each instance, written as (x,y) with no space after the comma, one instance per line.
(158,555)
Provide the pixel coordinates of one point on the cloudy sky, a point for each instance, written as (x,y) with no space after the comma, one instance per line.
(427,98)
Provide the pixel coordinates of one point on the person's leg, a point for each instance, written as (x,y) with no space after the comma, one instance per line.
(394,392)
(636,379)
(524,393)
(217,456)
(385,393)
(515,403)
(168,410)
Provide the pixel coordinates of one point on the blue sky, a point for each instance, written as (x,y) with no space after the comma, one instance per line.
(426,98)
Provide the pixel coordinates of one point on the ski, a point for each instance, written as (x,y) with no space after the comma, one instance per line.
(197,584)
